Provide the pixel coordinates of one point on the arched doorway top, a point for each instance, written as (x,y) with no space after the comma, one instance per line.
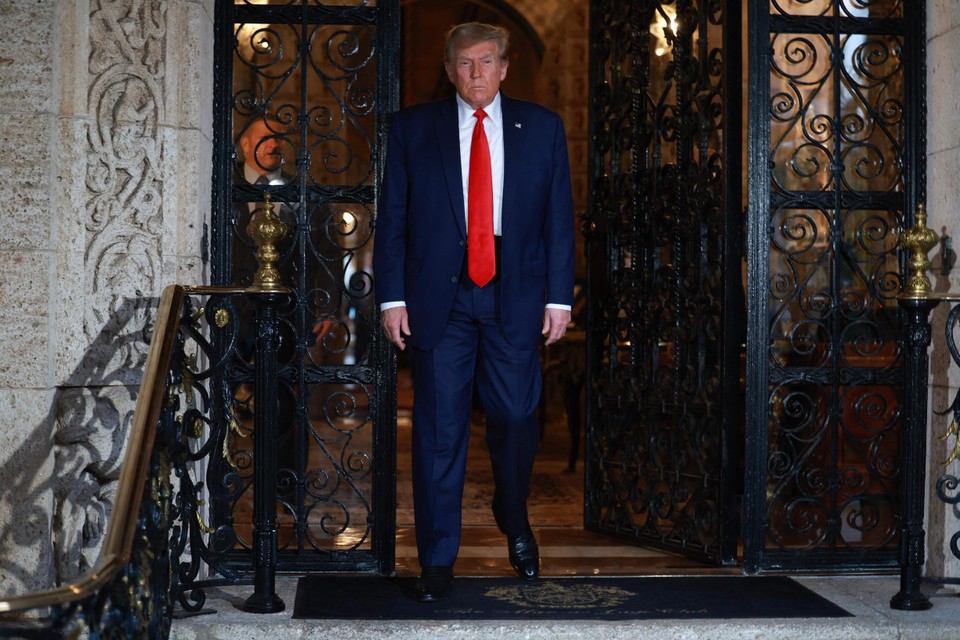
(537,19)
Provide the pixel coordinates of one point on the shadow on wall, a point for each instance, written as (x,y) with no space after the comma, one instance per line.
(940,360)
(56,525)
(942,518)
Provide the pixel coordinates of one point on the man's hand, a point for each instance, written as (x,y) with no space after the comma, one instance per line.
(555,323)
(394,323)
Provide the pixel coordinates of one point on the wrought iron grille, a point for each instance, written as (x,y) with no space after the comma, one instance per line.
(662,267)
(832,141)
(948,484)
(301,90)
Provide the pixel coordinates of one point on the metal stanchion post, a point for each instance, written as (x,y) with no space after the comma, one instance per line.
(913,454)
(266,230)
(917,301)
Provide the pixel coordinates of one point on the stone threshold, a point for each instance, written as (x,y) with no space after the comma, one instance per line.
(867,598)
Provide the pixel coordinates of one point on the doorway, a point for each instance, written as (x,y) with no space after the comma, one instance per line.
(659,165)
(549,58)
(791,364)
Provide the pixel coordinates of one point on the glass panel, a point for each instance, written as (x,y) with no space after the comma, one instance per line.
(340,86)
(340,307)
(859,148)
(872,8)
(801,260)
(871,113)
(338,475)
(801,128)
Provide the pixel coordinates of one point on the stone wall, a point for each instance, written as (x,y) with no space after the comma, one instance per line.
(943,202)
(105,132)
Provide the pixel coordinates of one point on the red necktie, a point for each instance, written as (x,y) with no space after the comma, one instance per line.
(481,256)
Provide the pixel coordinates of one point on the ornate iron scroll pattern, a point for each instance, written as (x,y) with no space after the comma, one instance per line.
(212,469)
(948,485)
(834,190)
(312,79)
(656,255)
(212,453)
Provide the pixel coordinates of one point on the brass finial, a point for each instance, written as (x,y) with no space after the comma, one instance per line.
(918,240)
(266,230)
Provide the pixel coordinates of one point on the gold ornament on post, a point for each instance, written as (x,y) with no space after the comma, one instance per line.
(918,240)
(266,231)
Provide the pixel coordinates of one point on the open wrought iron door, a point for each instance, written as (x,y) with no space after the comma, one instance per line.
(665,314)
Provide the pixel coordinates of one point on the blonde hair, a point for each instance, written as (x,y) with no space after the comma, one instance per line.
(470,33)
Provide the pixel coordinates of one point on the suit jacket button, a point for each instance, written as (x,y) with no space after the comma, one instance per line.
(453,279)
(462,243)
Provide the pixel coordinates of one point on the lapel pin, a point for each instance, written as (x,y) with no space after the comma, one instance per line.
(517,125)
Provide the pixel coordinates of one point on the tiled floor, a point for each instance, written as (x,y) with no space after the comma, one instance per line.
(563,551)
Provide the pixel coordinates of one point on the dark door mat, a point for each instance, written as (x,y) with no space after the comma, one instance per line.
(563,598)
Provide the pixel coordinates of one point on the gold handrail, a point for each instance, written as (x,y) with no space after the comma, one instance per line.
(122,528)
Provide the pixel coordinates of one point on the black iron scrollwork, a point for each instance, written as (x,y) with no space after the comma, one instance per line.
(313,80)
(656,256)
(836,193)
(948,484)
(211,469)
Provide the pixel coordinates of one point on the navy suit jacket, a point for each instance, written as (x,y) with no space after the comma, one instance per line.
(421,230)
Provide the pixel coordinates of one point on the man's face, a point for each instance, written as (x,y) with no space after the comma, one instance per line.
(477,71)
(259,140)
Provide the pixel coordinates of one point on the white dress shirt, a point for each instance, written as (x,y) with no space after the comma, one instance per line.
(252,173)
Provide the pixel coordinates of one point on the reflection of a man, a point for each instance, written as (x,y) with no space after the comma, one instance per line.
(262,165)
(262,160)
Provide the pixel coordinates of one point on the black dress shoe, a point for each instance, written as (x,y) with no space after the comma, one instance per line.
(524,555)
(434,584)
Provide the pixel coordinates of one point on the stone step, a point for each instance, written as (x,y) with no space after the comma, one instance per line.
(867,598)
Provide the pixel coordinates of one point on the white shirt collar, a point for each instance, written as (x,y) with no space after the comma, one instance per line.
(465,111)
(251,173)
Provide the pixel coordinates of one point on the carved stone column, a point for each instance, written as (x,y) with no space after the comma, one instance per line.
(105,150)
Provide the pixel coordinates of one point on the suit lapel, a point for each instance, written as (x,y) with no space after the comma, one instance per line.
(512,159)
(448,138)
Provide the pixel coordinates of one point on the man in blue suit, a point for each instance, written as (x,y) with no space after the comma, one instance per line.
(474,262)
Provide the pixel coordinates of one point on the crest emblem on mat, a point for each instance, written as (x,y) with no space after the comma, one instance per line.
(556,596)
